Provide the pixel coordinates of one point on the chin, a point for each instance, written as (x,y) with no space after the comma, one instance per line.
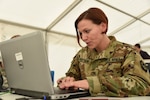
(91,47)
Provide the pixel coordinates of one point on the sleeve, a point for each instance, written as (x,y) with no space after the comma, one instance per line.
(145,55)
(133,81)
(74,70)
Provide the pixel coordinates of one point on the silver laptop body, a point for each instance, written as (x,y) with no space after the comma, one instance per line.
(27,67)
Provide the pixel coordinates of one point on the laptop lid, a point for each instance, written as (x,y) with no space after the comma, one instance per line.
(26,64)
(27,68)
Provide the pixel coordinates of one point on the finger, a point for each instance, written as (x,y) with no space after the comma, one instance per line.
(65,79)
(61,86)
(59,81)
(72,79)
(68,79)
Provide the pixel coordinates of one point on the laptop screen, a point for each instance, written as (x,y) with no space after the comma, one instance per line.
(147,62)
(26,64)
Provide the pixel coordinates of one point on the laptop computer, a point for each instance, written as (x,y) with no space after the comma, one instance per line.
(27,68)
(147,62)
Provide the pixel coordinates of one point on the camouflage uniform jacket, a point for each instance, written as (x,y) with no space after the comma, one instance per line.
(117,71)
(3,73)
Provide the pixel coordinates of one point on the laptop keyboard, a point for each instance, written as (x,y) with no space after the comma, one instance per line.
(61,91)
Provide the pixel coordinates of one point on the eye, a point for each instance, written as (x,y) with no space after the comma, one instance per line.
(87,31)
(80,33)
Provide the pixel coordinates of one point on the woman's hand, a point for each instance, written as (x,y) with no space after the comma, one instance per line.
(70,83)
(66,82)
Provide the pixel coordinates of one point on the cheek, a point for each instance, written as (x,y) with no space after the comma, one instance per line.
(95,34)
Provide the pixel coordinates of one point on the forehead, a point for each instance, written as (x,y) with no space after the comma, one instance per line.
(85,23)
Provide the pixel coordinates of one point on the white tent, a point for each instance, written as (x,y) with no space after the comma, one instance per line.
(129,21)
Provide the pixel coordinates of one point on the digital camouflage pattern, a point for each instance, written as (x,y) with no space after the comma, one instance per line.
(117,71)
(3,73)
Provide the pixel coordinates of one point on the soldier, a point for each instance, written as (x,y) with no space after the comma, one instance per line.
(105,65)
(14,36)
(143,53)
(3,79)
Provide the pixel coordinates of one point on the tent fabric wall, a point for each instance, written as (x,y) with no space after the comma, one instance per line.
(8,30)
(59,16)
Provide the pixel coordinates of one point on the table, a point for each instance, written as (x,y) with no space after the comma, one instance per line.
(9,96)
(116,98)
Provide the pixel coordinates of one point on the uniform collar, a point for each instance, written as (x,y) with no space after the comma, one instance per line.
(107,53)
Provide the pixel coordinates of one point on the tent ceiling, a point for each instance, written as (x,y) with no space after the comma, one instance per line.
(129,20)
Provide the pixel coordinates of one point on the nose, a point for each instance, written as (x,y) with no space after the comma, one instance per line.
(84,37)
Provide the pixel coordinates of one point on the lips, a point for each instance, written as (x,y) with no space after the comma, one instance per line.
(88,43)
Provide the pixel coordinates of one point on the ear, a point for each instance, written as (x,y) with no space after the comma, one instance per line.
(104,27)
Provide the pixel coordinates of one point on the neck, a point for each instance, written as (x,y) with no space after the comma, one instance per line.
(104,44)
(139,50)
